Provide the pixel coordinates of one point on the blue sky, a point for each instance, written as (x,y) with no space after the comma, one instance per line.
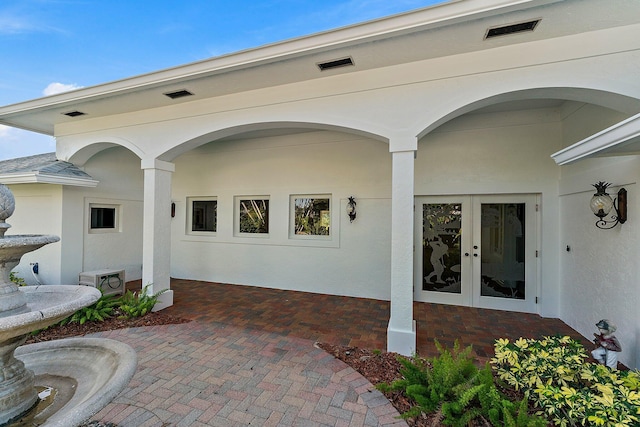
(48,46)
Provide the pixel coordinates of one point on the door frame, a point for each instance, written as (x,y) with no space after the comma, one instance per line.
(470,266)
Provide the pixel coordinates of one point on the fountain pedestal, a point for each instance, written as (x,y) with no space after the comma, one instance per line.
(29,308)
(17,391)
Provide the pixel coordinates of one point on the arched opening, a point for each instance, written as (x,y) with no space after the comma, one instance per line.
(297,178)
(485,160)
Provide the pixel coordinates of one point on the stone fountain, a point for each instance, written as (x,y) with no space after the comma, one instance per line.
(85,373)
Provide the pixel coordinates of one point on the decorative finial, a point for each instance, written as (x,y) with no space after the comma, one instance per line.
(601,187)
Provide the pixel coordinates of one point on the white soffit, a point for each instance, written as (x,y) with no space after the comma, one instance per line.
(412,36)
(619,139)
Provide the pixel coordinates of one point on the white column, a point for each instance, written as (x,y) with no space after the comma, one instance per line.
(401,332)
(156,232)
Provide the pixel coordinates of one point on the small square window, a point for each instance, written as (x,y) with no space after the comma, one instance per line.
(311,215)
(253,215)
(103,217)
(204,215)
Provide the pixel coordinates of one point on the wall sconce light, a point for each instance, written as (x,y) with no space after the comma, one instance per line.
(351,208)
(602,203)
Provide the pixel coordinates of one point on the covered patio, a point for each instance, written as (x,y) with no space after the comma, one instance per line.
(357,322)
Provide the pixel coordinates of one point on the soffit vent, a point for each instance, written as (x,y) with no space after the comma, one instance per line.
(178,94)
(74,113)
(511,29)
(336,63)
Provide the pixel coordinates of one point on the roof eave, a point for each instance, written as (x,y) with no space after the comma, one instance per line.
(40,178)
(443,14)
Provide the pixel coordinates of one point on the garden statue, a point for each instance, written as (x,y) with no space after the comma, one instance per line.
(607,345)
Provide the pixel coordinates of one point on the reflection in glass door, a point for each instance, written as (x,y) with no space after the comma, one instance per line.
(444,269)
(503,244)
(441,265)
(477,250)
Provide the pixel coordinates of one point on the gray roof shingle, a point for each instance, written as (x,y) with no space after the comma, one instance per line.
(42,163)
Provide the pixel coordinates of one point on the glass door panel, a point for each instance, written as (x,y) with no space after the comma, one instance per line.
(441,256)
(505,265)
(502,238)
(477,250)
(442,268)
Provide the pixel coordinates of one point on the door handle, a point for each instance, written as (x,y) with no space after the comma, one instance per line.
(466,254)
(475,255)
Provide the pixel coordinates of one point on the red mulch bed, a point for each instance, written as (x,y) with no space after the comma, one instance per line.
(116,322)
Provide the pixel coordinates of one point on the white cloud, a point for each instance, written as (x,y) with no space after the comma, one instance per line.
(56,87)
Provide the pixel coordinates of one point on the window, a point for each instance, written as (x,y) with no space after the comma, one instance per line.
(204,215)
(103,217)
(252,215)
(311,215)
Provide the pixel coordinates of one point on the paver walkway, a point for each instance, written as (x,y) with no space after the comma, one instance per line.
(248,357)
(202,374)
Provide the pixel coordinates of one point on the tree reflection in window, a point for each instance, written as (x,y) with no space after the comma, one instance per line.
(254,216)
(312,216)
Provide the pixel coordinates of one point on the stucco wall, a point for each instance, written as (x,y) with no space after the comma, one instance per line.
(600,267)
(355,262)
(120,176)
(38,211)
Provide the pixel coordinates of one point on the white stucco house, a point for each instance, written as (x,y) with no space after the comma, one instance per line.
(469,135)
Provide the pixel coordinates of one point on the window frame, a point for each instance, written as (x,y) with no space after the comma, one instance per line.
(238,210)
(190,211)
(292,216)
(116,218)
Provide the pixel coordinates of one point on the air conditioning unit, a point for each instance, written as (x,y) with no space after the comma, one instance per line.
(110,282)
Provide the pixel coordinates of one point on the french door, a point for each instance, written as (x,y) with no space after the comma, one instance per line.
(478,251)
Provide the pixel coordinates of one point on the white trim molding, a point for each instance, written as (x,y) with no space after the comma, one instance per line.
(616,136)
(41,178)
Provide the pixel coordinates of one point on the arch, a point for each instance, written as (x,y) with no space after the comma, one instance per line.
(615,101)
(79,154)
(274,126)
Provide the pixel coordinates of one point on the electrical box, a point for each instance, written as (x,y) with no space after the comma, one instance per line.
(110,282)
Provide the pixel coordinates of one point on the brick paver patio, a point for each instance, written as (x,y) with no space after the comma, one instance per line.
(248,357)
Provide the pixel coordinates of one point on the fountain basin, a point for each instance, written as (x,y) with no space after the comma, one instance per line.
(90,371)
(49,304)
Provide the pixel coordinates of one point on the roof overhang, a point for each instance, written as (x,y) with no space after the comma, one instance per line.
(623,138)
(43,178)
(422,34)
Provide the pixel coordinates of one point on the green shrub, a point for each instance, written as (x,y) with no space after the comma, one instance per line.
(19,281)
(137,304)
(96,312)
(553,373)
(453,386)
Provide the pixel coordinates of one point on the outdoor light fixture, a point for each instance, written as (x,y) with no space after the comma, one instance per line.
(602,203)
(351,208)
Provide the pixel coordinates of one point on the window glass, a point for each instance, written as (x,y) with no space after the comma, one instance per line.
(253,216)
(312,216)
(103,217)
(204,215)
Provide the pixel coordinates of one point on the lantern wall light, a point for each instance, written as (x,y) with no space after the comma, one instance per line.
(351,208)
(602,204)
